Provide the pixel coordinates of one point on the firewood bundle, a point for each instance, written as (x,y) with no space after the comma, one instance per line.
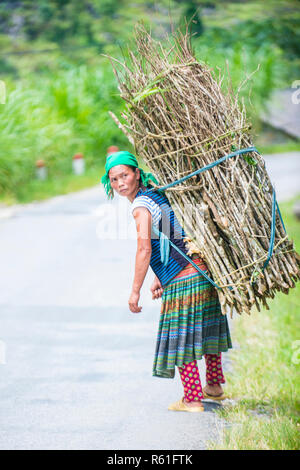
(179,120)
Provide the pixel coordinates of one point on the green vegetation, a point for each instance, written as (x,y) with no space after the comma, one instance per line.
(54,118)
(264,382)
(38,190)
(279,148)
(60,86)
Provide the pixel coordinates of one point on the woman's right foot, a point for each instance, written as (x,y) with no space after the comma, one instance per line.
(182,405)
(192,403)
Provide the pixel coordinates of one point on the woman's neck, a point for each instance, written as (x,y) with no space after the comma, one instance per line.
(131,198)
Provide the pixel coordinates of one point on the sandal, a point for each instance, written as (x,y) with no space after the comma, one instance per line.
(181,406)
(220,397)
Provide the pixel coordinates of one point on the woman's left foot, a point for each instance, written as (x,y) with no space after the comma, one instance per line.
(181,405)
(215,392)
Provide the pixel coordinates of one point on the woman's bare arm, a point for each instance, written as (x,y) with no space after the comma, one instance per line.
(143,253)
(143,220)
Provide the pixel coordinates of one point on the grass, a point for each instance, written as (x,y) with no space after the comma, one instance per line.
(264,382)
(279,148)
(37,190)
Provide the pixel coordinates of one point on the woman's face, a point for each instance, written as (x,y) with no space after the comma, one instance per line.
(124,180)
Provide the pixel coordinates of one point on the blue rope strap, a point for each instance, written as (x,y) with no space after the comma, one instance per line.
(165,241)
(208,167)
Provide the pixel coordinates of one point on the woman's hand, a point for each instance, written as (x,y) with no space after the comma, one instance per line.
(156,289)
(133,302)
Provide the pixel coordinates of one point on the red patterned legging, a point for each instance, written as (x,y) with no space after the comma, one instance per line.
(190,377)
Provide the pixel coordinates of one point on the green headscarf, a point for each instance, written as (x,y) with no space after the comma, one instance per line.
(123,158)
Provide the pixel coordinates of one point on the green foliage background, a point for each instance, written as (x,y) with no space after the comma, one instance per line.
(60,87)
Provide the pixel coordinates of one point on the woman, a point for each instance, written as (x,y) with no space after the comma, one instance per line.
(191,323)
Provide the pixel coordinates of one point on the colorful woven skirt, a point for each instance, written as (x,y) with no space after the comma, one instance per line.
(191,322)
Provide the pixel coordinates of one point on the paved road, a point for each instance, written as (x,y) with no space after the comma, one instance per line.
(76,363)
(284,172)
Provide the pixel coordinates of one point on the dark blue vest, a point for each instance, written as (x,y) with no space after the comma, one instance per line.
(170,226)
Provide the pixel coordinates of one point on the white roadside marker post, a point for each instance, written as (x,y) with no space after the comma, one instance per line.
(41,170)
(78,164)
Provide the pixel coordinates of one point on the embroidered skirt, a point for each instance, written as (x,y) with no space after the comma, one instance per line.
(191,322)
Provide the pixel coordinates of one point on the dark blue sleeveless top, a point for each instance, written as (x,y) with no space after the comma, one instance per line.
(170,226)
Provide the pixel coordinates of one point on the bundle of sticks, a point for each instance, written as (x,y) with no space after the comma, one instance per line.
(179,120)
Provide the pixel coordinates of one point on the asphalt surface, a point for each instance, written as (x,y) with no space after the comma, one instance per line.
(75,363)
